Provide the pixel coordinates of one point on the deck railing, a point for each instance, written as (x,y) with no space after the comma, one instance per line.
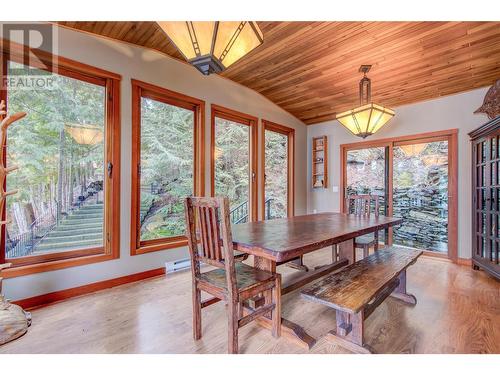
(24,244)
(239,214)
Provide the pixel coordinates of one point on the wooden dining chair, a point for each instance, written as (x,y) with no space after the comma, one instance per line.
(208,228)
(360,205)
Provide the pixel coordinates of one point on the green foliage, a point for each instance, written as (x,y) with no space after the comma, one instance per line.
(232,155)
(167,136)
(34,144)
(276,172)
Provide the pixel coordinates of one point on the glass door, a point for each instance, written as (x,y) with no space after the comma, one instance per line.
(420,195)
(415,178)
(277,174)
(366,173)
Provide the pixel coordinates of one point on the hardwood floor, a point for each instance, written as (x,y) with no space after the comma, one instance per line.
(154,316)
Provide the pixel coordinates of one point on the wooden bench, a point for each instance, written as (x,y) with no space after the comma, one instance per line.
(356,291)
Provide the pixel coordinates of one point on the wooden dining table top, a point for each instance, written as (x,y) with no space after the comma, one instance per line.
(281,240)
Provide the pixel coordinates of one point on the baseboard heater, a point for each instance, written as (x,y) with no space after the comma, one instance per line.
(177,265)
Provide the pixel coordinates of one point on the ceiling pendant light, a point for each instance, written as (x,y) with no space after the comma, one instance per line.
(369,117)
(213,46)
(85,134)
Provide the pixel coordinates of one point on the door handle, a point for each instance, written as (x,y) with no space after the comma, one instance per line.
(110,169)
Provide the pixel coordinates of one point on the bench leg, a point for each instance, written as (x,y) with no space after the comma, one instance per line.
(349,332)
(400,292)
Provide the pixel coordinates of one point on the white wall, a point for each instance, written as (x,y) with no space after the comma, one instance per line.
(444,113)
(134,62)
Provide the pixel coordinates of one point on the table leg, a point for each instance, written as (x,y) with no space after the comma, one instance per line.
(347,250)
(270,266)
(335,253)
(290,330)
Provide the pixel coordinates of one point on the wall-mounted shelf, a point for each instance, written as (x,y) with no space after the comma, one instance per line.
(319,162)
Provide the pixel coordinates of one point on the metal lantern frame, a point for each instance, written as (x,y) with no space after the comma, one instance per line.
(369,117)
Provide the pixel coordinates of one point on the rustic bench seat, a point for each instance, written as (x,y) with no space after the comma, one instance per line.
(356,290)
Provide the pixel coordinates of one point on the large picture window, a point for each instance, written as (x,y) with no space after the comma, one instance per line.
(233,161)
(278,165)
(67,151)
(166,129)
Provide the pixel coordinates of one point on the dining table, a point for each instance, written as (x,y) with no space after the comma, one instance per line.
(277,241)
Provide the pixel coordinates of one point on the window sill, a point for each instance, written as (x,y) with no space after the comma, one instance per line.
(158,245)
(56,265)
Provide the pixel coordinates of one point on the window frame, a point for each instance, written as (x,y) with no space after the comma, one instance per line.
(243,119)
(451,136)
(290,133)
(15,52)
(142,89)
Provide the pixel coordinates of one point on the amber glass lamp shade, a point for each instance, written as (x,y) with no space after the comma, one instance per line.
(212,46)
(366,119)
(413,150)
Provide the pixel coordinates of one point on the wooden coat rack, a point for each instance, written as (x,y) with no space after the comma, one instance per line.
(14,321)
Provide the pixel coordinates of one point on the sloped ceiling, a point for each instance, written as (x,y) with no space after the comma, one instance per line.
(311,68)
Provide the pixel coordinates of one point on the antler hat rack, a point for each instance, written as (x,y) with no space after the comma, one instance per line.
(14,321)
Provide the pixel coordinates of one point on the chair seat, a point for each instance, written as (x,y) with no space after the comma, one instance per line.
(367,239)
(246,277)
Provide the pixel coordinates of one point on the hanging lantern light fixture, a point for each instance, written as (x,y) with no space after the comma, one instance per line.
(212,46)
(369,117)
(85,134)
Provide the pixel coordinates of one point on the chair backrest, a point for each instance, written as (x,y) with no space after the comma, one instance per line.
(208,230)
(360,205)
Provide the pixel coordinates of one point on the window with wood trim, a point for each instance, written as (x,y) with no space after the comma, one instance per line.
(233,161)
(278,171)
(66,210)
(166,154)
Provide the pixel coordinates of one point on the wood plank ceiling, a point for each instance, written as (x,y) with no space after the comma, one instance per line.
(311,68)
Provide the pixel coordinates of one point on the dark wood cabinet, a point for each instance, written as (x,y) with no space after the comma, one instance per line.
(486,197)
